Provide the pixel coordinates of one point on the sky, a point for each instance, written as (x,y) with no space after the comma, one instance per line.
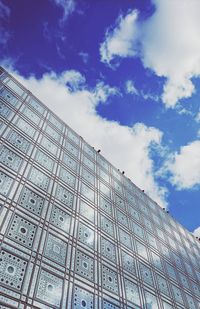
(124,75)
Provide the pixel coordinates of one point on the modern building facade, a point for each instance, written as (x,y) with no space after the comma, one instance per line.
(75,232)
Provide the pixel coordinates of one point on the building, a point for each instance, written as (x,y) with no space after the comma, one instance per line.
(75,232)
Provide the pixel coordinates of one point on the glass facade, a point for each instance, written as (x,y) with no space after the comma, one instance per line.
(75,232)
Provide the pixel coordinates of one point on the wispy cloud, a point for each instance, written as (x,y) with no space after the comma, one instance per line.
(130,88)
(167,45)
(84,56)
(67,6)
(4,16)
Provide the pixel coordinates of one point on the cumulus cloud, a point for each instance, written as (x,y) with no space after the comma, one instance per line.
(68,7)
(102,92)
(120,40)
(130,87)
(169,46)
(128,148)
(185,166)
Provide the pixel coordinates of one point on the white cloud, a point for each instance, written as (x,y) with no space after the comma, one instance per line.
(102,92)
(127,148)
(197,117)
(169,46)
(197,232)
(120,41)
(68,7)
(130,87)
(185,166)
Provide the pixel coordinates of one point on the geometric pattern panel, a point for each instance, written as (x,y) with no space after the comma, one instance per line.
(12,270)
(25,127)
(107,226)
(5,183)
(18,141)
(69,162)
(49,288)
(55,249)
(86,235)
(8,96)
(10,159)
(105,205)
(84,265)
(39,179)
(44,160)
(31,201)
(110,280)
(22,231)
(67,177)
(146,274)
(128,263)
(64,196)
(82,299)
(132,292)
(108,249)
(60,219)
(73,150)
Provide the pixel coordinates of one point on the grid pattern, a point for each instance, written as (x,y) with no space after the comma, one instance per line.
(75,232)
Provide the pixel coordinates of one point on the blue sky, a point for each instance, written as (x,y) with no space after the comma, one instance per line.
(124,75)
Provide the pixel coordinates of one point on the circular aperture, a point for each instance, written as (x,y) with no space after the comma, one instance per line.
(10,269)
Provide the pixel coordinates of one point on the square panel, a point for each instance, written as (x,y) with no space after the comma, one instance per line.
(171,272)
(89,150)
(137,230)
(105,190)
(5,111)
(18,141)
(49,146)
(39,179)
(5,183)
(10,159)
(132,292)
(64,196)
(25,127)
(84,265)
(120,202)
(142,250)
(107,226)
(88,176)
(67,177)
(87,192)
(87,211)
(55,249)
(44,160)
(146,274)
(86,235)
(52,133)
(54,120)
(108,249)
(177,294)
(128,263)
(8,96)
(109,280)
(73,150)
(22,231)
(36,105)
(118,187)
(122,218)
(151,301)
(49,288)
(60,219)
(102,162)
(31,201)
(68,161)
(162,285)
(105,205)
(125,239)
(190,302)
(104,175)
(134,213)
(90,164)
(12,270)
(156,261)
(82,299)
(74,137)
(31,115)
